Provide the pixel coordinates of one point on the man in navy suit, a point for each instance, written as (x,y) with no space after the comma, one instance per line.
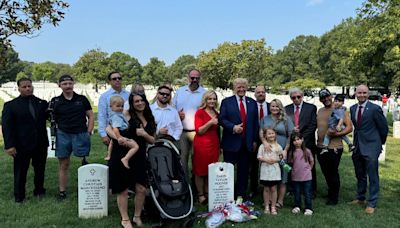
(305,123)
(239,120)
(370,132)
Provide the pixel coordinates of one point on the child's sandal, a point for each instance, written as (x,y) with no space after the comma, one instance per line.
(273,211)
(126,223)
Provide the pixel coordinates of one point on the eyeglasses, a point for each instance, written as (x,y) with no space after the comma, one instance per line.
(296,97)
(195,78)
(164,94)
(116,78)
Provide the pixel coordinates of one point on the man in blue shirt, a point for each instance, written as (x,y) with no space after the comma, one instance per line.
(115,80)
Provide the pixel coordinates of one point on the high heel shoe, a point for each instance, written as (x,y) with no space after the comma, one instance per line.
(137,220)
(125,223)
(202,199)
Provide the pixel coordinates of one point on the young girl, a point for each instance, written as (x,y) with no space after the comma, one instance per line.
(120,127)
(270,172)
(302,161)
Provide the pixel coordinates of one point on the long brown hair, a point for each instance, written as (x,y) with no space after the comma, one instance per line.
(292,148)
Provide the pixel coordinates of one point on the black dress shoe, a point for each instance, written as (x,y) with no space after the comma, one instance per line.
(252,195)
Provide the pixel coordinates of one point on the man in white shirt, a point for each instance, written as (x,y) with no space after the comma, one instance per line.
(187,100)
(166,116)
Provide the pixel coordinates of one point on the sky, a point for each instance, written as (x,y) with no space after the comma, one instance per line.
(168,29)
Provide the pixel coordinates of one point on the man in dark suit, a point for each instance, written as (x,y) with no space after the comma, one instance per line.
(239,120)
(25,137)
(370,132)
(263,110)
(304,116)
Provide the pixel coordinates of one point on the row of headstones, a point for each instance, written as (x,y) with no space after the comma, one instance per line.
(93,188)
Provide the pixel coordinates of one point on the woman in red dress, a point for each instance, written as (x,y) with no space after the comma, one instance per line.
(206,142)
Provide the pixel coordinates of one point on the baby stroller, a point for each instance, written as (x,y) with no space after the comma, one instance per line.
(169,188)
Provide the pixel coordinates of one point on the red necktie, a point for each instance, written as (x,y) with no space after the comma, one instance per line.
(243,114)
(296,116)
(359,115)
(261,112)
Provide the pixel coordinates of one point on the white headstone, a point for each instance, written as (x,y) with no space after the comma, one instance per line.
(220,184)
(382,156)
(396,129)
(50,152)
(93,191)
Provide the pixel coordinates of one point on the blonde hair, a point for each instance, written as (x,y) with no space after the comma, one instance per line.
(205,97)
(239,81)
(116,100)
(282,113)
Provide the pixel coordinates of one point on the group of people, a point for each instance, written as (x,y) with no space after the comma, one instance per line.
(269,144)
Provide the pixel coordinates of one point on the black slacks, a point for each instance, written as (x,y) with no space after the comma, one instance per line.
(21,166)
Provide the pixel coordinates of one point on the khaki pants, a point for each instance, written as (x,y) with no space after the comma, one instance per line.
(186,146)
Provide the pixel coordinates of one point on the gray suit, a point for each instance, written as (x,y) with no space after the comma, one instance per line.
(369,136)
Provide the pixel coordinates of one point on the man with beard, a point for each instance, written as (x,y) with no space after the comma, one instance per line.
(263,110)
(75,121)
(329,161)
(187,100)
(166,116)
(25,138)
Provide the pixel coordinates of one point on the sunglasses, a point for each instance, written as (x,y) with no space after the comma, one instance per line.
(116,78)
(195,78)
(295,97)
(164,94)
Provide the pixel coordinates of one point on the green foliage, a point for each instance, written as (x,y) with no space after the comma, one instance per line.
(337,48)
(154,72)
(304,84)
(92,67)
(299,59)
(129,66)
(378,47)
(9,64)
(228,61)
(24,18)
(180,68)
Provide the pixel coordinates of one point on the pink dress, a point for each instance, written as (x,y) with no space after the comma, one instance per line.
(206,146)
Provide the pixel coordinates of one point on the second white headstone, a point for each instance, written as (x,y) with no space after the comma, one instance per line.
(220,184)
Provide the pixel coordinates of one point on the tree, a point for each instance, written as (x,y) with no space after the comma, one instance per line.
(180,68)
(154,72)
(304,84)
(10,65)
(228,61)
(129,66)
(336,51)
(299,59)
(44,71)
(24,18)
(378,50)
(92,67)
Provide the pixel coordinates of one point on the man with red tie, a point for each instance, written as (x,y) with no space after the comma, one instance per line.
(304,116)
(239,120)
(263,110)
(370,132)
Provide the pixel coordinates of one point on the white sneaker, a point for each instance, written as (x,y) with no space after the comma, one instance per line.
(239,200)
(296,210)
(308,212)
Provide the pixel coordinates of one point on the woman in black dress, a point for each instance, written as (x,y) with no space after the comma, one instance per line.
(142,128)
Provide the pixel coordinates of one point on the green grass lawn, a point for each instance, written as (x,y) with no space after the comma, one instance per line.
(48,212)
